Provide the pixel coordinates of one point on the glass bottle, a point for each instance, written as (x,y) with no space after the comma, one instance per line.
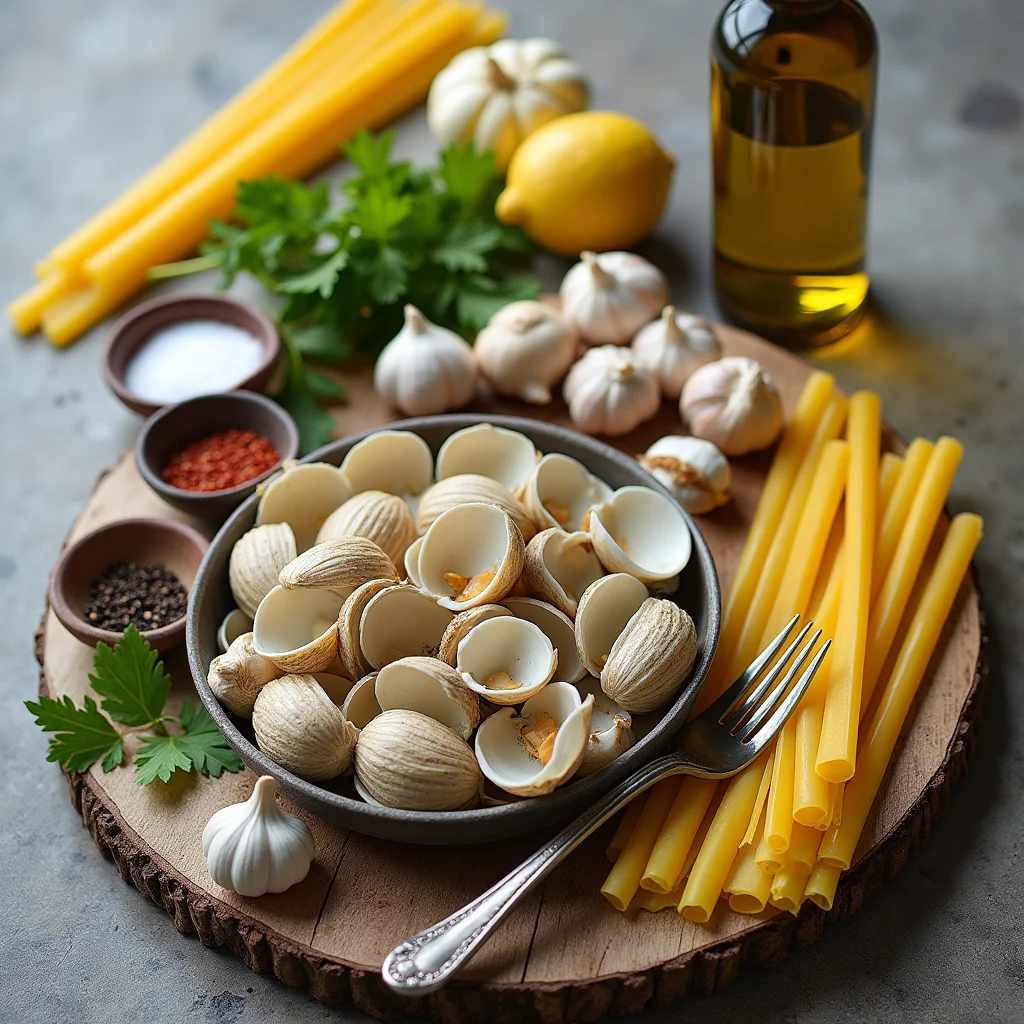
(792,104)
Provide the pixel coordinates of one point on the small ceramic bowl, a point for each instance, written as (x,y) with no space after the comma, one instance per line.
(140,322)
(172,545)
(171,429)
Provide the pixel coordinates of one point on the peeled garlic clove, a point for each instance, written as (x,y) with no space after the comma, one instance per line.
(297,630)
(469,488)
(651,657)
(353,661)
(394,461)
(407,760)
(506,660)
(559,567)
(611,732)
(298,726)
(503,748)
(609,392)
(412,562)
(433,689)
(303,496)
(641,532)
(460,626)
(382,518)
(556,626)
(609,296)
(401,621)
(525,349)
(237,676)
(675,345)
(345,563)
(734,404)
(605,608)
(561,492)
(256,559)
(485,450)
(471,555)
(694,470)
(234,624)
(360,705)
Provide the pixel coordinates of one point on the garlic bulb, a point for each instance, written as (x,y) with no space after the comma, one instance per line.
(734,404)
(237,676)
(694,470)
(673,346)
(254,847)
(495,96)
(425,369)
(609,297)
(525,348)
(609,392)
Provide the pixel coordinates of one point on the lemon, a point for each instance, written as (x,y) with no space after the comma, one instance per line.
(594,180)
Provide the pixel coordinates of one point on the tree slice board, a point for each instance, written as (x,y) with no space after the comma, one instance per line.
(564,954)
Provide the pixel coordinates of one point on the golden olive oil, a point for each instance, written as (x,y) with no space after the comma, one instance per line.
(792,96)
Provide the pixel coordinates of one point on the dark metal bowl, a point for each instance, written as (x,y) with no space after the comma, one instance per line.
(335,801)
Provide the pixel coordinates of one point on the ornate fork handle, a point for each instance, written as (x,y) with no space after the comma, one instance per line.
(425,962)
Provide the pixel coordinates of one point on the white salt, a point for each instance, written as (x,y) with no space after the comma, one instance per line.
(191,358)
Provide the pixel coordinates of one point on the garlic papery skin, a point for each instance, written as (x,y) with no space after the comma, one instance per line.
(254,847)
(425,369)
(525,349)
(237,676)
(694,470)
(734,404)
(608,297)
(673,346)
(609,392)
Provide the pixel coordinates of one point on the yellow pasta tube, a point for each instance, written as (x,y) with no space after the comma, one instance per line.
(787,888)
(74,313)
(748,884)
(879,740)
(779,821)
(667,862)
(26,311)
(906,562)
(837,747)
(821,885)
(759,801)
(625,826)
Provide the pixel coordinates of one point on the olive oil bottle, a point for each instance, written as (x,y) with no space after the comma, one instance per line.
(792,103)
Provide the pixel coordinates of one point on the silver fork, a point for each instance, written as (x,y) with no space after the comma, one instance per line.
(719,742)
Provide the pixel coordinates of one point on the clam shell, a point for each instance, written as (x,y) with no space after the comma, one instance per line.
(412,562)
(504,757)
(382,518)
(641,532)
(237,676)
(506,645)
(485,450)
(303,496)
(256,559)
(394,461)
(433,689)
(360,705)
(347,562)
(562,491)
(232,626)
(460,626)
(401,622)
(472,541)
(353,661)
(559,567)
(611,731)
(336,687)
(557,627)
(605,608)
(471,488)
(297,630)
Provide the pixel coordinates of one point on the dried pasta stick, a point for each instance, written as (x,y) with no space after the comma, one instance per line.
(750,836)
(26,311)
(666,864)
(627,821)
(787,892)
(837,747)
(779,823)
(821,885)
(748,884)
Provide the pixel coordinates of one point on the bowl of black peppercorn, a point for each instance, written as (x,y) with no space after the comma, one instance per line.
(132,572)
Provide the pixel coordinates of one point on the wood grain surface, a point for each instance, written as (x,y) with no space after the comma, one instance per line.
(564,954)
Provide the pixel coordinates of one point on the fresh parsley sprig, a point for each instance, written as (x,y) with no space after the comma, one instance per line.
(133,685)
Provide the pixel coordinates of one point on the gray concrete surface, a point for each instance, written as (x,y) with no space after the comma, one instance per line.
(92,91)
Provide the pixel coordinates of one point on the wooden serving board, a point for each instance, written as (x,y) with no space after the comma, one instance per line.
(565,954)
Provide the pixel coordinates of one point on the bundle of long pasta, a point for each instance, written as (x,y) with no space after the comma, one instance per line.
(784,828)
(364,64)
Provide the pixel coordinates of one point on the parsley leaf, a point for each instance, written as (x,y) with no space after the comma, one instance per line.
(466,245)
(159,757)
(81,736)
(320,279)
(204,743)
(131,679)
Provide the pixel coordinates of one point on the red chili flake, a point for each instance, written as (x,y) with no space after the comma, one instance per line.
(220,461)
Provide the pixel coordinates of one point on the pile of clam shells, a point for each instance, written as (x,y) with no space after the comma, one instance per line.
(460,633)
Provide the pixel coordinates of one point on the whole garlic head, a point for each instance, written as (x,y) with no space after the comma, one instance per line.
(734,404)
(694,470)
(237,676)
(254,847)
(609,297)
(425,369)
(673,346)
(609,392)
(525,349)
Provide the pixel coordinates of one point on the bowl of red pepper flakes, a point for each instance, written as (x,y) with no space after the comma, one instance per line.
(206,455)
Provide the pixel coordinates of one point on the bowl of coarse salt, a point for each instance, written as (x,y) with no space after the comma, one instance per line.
(184,345)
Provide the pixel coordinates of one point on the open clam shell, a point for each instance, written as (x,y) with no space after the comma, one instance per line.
(557,627)
(256,559)
(611,729)
(350,653)
(394,461)
(347,562)
(336,687)
(232,626)
(559,567)
(505,756)
(297,630)
(412,562)
(471,555)
(382,518)
(360,705)
(460,626)
(641,532)
(401,622)
(506,660)
(303,496)
(562,491)
(467,488)
(433,689)
(503,455)
(605,608)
